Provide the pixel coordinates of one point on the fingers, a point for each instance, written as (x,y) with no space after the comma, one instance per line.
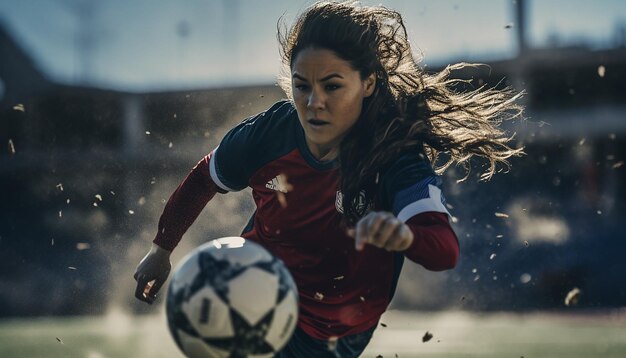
(140,290)
(147,289)
(383,230)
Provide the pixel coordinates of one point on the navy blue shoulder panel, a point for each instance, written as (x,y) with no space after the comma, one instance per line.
(253,143)
(408,169)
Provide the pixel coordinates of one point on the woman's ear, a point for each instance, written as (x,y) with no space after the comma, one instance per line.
(370,84)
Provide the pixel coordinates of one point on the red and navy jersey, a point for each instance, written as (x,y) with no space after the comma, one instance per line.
(298,218)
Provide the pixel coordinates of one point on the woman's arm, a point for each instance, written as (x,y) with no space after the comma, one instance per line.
(181,210)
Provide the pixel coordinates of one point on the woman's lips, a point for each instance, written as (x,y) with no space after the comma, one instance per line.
(317,122)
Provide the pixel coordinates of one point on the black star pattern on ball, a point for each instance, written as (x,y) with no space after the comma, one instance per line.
(216,274)
(248,339)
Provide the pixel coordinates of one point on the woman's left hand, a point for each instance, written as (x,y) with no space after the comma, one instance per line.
(382,229)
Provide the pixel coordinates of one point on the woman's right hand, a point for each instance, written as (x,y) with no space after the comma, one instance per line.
(151,273)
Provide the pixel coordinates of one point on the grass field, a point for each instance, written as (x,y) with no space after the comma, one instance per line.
(455,334)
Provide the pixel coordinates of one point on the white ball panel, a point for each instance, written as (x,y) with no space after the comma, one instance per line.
(210,319)
(245,255)
(196,348)
(253,294)
(284,323)
(269,355)
(186,273)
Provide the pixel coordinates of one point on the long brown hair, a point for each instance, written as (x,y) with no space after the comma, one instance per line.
(409,108)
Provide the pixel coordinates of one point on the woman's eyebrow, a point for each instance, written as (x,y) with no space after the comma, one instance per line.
(326,78)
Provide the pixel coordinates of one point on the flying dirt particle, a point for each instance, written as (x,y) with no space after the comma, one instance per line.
(362,298)
(601,71)
(60,186)
(508,26)
(492,256)
(501,215)
(617,165)
(170,145)
(148,132)
(526,243)
(319,296)
(72,268)
(141,201)
(59,340)
(331,344)
(573,297)
(427,337)
(80,246)
(52,242)
(11,147)
(383,325)
(525,278)
(99,197)
(19,107)
(95,204)
(60,213)
(338,278)
(131,212)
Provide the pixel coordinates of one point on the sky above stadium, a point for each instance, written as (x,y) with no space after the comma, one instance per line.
(144,45)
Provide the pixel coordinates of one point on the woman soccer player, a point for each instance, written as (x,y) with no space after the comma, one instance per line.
(341,172)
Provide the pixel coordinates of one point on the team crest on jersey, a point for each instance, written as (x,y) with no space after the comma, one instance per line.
(361,207)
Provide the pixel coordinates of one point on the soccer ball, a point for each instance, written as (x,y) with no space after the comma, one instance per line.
(231,298)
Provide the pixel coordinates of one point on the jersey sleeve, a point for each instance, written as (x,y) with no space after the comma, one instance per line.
(236,157)
(185,204)
(414,194)
(410,187)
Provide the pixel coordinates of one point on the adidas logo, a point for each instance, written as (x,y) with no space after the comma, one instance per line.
(279,183)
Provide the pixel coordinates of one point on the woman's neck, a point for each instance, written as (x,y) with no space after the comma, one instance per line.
(323,153)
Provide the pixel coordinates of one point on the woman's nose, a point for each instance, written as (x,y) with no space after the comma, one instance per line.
(315,100)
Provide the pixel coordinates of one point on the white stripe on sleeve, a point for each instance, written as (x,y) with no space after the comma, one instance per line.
(213,172)
(432,203)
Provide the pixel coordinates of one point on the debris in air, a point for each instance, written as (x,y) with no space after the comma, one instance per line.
(59,340)
(19,107)
(501,215)
(332,343)
(601,71)
(82,246)
(11,147)
(573,297)
(427,337)
(618,165)
(509,25)
(60,186)
(319,296)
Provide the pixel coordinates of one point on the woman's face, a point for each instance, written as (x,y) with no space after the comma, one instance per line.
(328,94)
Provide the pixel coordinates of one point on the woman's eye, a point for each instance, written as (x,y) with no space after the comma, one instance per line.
(332,87)
(301,87)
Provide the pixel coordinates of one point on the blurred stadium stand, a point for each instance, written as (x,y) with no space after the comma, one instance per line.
(62,247)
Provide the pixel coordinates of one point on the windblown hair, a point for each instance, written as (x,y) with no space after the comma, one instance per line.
(409,109)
